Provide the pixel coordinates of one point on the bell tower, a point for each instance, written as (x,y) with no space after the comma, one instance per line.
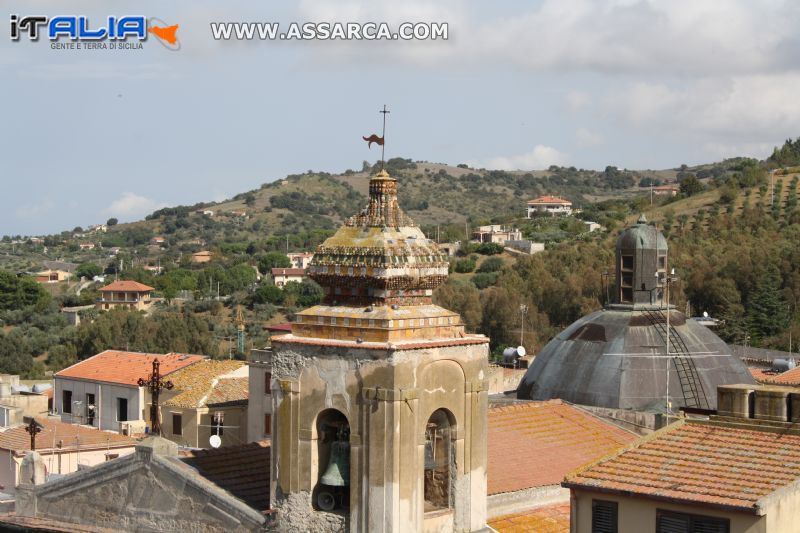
(379,396)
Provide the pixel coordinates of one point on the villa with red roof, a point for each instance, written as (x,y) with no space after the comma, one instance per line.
(126,294)
(550,205)
(102,391)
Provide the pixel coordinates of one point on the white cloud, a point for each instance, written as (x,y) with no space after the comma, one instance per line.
(755,106)
(131,206)
(586,138)
(35,210)
(618,36)
(539,158)
(577,100)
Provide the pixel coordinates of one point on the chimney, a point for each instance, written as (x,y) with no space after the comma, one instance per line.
(735,400)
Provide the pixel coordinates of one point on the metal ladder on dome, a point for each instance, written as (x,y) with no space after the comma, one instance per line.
(691,385)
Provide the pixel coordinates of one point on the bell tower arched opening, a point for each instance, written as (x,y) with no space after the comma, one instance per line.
(332,489)
(439,464)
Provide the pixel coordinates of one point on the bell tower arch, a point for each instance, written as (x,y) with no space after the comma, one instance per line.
(380,415)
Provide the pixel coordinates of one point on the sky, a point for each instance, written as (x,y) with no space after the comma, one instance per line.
(90,134)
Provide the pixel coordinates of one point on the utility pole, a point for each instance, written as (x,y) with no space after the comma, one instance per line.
(772,189)
(523,308)
(669,279)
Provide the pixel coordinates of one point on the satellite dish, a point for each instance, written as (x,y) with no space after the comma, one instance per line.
(521,351)
(705,314)
(215,441)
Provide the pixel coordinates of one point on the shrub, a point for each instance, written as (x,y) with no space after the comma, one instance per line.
(492,264)
(484,279)
(464,266)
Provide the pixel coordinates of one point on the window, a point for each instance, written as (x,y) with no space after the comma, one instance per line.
(66,401)
(438,466)
(604,516)
(267,382)
(217,422)
(177,424)
(267,425)
(627,262)
(122,409)
(90,409)
(672,522)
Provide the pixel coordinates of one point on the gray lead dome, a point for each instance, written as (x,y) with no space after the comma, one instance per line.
(617,357)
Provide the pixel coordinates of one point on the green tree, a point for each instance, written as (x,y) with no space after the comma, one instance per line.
(267,293)
(21,291)
(272,260)
(766,309)
(690,185)
(464,299)
(304,294)
(112,222)
(88,270)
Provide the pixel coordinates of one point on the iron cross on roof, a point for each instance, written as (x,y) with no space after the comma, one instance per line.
(32,429)
(155,383)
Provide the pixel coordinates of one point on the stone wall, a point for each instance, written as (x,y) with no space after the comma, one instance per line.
(150,490)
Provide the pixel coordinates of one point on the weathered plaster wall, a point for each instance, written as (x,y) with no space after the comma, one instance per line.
(387,396)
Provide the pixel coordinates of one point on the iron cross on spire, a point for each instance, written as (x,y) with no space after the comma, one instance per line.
(384,111)
(155,383)
(32,429)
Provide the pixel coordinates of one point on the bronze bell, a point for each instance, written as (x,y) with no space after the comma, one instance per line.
(338,472)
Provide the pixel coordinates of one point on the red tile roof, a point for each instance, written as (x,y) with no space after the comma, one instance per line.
(288,272)
(126,286)
(707,463)
(229,391)
(202,384)
(54,431)
(241,470)
(125,368)
(790,377)
(535,444)
(762,375)
(549,200)
(550,519)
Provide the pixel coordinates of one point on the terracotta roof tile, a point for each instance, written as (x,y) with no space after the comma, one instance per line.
(241,470)
(548,200)
(229,390)
(17,439)
(562,438)
(762,375)
(125,368)
(126,285)
(550,519)
(699,463)
(200,384)
(790,377)
(288,272)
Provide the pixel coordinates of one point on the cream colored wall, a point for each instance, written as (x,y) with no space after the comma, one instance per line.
(68,463)
(636,514)
(783,510)
(195,426)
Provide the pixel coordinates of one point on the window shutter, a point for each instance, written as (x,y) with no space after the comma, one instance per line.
(672,523)
(604,516)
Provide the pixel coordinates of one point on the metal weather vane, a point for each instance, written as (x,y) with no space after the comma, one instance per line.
(155,383)
(374,138)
